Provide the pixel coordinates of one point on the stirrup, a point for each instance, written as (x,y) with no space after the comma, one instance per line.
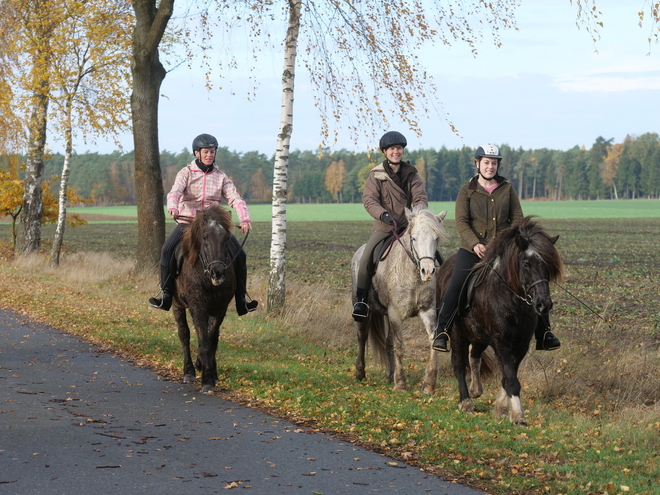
(360,311)
(441,341)
(549,342)
(244,307)
(164,303)
(251,305)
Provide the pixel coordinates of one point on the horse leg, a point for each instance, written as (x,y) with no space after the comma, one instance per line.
(459,361)
(389,353)
(476,385)
(508,399)
(431,371)
(395,335)
(184,338)
(206,350)
(214,325)
(362,336)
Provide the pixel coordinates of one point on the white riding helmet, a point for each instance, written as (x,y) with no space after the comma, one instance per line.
(489,150)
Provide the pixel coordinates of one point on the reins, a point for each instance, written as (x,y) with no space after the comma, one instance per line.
(412,254)
(583,303)
(207,264)
(527,298)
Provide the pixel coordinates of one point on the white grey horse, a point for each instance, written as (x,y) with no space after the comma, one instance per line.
(403,286)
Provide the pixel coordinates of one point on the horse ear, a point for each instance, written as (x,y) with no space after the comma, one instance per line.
(409,214)
(554,239)
(442,215)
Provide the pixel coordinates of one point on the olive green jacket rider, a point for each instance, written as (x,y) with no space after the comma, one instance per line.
(480,215)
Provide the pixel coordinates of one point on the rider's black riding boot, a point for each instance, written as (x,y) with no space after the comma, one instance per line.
(361,308)
(545,339)
(167,286)
(442,332)
(242,305)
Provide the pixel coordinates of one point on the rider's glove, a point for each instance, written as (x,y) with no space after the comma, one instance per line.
(386,218)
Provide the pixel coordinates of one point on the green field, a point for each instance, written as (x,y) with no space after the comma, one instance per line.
(296,212)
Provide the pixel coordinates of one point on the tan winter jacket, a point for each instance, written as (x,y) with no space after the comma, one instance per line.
(382,194)
(480,215)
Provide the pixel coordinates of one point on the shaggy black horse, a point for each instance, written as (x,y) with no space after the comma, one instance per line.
(205,286)
(509,294)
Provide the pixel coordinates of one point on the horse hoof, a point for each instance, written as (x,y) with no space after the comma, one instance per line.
(428,389)
(520,422)
(189,378)
(207,389)
(467,406)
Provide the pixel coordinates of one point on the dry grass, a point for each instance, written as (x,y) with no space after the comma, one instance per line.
(591,372)
(79,268)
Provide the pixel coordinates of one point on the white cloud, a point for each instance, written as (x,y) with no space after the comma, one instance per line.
(608,82)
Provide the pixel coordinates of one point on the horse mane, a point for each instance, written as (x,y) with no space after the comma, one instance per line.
(192,237)
(505,250)
(427,216)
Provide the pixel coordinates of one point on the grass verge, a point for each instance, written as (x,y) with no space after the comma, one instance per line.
(300,366)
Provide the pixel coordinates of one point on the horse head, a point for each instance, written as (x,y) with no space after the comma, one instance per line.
(530,257)
(425,230)
(207,241)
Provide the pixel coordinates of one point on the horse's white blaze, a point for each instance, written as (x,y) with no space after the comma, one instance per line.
(533,253)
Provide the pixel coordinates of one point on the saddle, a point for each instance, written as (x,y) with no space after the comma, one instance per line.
(176,261)
(473,280)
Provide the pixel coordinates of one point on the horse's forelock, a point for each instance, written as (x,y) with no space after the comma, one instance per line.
(222,216)
(536,239)
(190,243)
(543,245)
(429,219)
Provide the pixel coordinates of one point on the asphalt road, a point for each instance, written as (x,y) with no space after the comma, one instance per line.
(75,420)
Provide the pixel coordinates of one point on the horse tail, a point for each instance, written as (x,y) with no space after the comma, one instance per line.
(378,337)
(488,363)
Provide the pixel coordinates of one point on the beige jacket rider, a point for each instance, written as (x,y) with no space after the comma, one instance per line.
(382,193)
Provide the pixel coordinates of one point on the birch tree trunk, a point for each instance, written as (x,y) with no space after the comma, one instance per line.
(33,206)
(64,185)
(276,282)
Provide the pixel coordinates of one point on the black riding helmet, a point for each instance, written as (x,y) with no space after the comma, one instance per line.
(392,138)
(204,141)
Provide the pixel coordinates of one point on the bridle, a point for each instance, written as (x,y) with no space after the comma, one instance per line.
(208,264)
(412,253)
(526,297)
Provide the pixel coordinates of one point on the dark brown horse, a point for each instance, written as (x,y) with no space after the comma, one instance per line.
(205,286)
(511,291)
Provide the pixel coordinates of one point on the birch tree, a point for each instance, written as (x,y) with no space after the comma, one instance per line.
(90,82)
(29,28)
(276,282)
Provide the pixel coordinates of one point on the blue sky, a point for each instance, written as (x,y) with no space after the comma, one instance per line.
(548,86)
